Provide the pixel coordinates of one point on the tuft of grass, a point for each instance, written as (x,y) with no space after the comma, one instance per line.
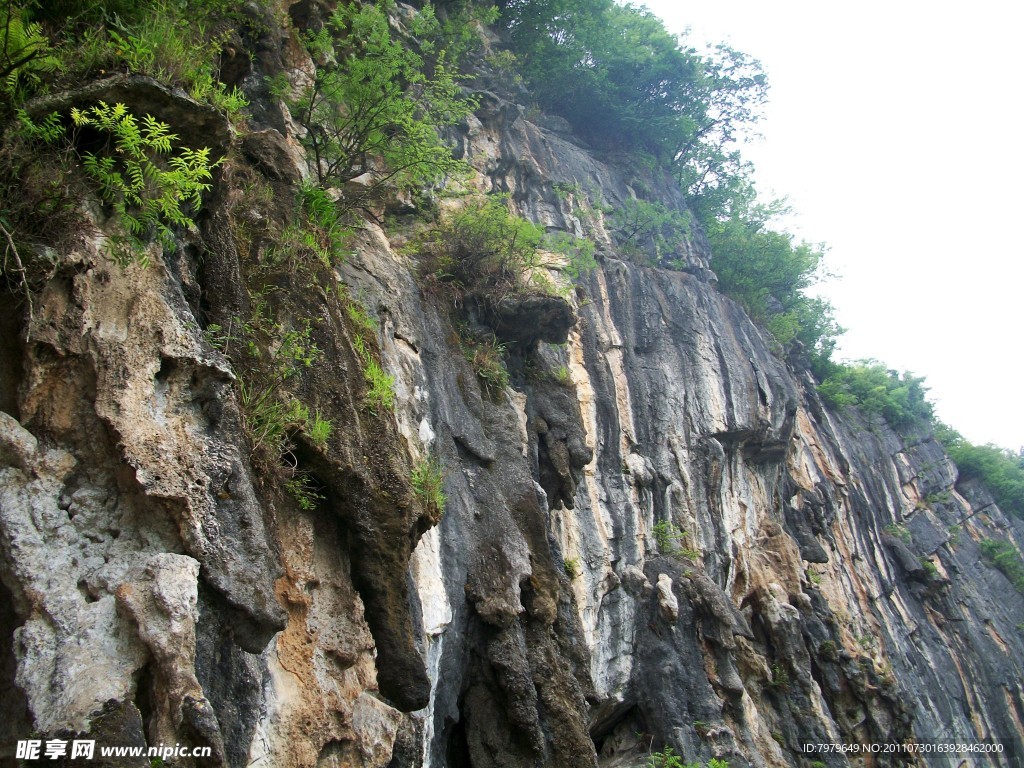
(360,316)
(487,358)
(300,487)
(319,430)
(428,485)
(380,394)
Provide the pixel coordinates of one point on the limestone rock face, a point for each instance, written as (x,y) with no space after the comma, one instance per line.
(161,585)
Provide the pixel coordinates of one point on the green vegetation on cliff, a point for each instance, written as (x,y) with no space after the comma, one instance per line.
(1007,558)
(999,470)
(875,389)
(629,86)
(376,102)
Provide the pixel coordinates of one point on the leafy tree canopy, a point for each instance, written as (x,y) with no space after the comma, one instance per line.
(869,385)
(767,271)
(1000,470)
(626,83)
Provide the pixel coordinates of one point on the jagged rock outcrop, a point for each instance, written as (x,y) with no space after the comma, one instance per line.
(160,587)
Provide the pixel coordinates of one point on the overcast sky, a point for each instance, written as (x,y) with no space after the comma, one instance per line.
(894,128)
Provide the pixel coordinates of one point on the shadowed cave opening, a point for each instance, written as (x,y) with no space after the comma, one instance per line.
(15,723)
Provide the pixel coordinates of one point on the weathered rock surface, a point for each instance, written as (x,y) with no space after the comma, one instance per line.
(158,586)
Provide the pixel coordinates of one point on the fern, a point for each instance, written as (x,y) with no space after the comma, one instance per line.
(24,49)
(146,192)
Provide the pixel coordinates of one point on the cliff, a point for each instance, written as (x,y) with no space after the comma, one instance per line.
(655,533)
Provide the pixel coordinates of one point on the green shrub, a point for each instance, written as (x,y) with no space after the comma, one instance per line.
(1005,556)
(316,235)
(641,88)
(485,249)
(428,485)
(375,103)
(573,568)
(875,389)
(999,470)
(768,273)
(780,678)
(482,247)
(929,566)
(668,537)
(829,650)
(898,531)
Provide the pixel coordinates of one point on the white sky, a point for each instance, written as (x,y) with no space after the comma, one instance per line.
(894,128)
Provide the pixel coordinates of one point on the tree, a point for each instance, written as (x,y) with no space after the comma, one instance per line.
(869,385)
(371,107)
(999,470)
(626,83)
(768,272)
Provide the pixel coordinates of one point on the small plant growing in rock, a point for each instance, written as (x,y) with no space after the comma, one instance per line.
(898,531)
(780,678)
(669,538)
(667,535)
(813,576)
(829,650)
(930,568)
(667,758)
(319,430)
(955,532)
(300,487)
(359,316)
(563,376)
(938,497)
(380,392)
(573,568)
(1004,556)
(428,485)
(146,193)
(485,249)
(487,358)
